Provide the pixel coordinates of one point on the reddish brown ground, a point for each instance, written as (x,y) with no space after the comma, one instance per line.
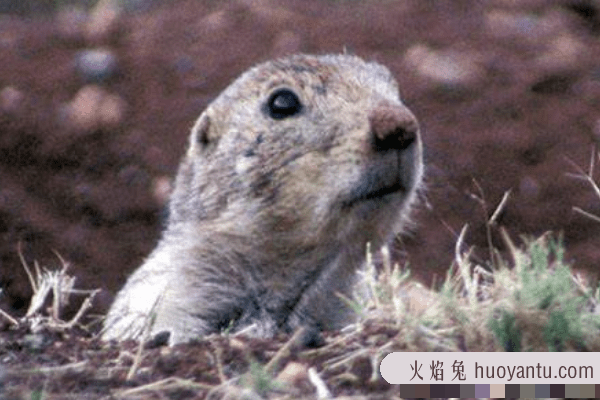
(524,100)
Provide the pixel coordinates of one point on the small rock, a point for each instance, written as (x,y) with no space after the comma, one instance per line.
(161,189)
(11,99)
(83,109)
(564,52)
(103,21)
(237,344)
(96,65)
(112,110)
(270,12)
(293,374)
(217,21)
(92,108)
(445,67)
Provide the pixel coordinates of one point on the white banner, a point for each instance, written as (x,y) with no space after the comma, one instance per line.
(491,368)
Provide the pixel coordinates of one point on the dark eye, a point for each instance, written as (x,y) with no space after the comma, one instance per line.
(283,103)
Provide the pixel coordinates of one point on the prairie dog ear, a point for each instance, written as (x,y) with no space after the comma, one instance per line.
(203,133)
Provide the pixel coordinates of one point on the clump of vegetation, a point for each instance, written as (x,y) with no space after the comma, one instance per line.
(527,299)
(552,309)
(52,292)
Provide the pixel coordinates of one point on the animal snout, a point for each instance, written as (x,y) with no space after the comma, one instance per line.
(393,127)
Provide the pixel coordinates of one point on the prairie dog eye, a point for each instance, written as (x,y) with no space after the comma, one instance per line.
(283,103)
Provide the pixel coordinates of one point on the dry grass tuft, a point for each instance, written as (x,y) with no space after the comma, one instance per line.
(525,300)
(54,287)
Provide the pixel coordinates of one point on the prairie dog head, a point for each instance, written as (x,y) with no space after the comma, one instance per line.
(303,147)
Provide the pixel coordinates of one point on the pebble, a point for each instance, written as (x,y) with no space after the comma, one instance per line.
(96,65)
(293,373)
(112,110)
(11,99)
(161,189)
(270,12)
(93,108)
(563,52)
(215,22)
(447,67)
(103,21)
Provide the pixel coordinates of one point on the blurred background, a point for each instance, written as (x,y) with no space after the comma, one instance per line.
(97,99)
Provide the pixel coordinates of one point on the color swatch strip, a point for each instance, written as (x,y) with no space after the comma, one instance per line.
(500,391)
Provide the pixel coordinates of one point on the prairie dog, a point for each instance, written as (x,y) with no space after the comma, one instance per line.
(289,172)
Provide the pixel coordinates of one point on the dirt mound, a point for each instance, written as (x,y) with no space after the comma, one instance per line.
(94,114)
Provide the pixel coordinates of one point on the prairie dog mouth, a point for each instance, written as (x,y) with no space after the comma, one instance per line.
(363,194)
(376,183)
(384,191)
(391,174)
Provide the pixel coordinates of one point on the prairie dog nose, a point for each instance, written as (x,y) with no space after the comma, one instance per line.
(393,126)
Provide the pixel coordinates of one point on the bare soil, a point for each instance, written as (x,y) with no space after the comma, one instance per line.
(507,92)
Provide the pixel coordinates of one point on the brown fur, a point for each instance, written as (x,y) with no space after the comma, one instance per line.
(270,215)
